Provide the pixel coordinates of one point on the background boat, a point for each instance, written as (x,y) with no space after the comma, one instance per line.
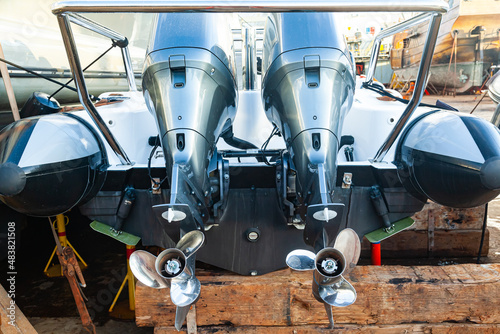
(470,32)
(30,37)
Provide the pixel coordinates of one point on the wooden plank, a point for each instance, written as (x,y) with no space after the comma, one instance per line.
(12,320)
(8,86)
(459,243)
(349,329)
(191,326)
(387,295)
(446,218)
(415,244)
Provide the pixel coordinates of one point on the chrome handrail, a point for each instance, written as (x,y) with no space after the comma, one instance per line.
(253,6)
(65,13)
(421,80)
(64,21)
(86,23)
(400,27)
(120,40)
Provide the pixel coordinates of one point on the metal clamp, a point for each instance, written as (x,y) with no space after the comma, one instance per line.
(347,181)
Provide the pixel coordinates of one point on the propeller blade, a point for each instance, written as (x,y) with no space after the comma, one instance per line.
(339,294)
(185,291)
(191,242)
(142,265)
(301,259)
(180,316)
(349,244)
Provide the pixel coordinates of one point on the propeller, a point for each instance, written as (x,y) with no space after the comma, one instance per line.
(142,264)
(329,265)
(174,268)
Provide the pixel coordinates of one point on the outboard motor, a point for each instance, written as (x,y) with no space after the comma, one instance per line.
(49,164)
(307,91)
(189,86)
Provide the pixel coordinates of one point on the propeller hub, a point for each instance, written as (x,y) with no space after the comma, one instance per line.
(173,266)
(329,265)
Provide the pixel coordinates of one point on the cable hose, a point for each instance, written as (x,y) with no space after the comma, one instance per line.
(92,63)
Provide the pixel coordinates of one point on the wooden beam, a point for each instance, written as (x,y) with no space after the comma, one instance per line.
(415,244)
(8,86)
(387,295)
(446,218)
(12,320)
(346,329)
(191,326)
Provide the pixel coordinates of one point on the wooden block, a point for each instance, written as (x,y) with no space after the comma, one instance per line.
(8,86)
(387,295)
(346,329)
(20,324)
(416,244)
(446,218)
(459,243)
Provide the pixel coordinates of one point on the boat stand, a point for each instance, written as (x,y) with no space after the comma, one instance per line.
(124,309)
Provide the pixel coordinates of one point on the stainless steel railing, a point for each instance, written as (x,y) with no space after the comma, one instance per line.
(121,41)
(262,6)
(76,67)
(423,72)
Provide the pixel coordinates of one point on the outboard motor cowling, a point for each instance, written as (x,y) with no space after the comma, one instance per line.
(307,90)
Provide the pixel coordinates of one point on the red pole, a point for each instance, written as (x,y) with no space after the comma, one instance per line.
(376,254)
